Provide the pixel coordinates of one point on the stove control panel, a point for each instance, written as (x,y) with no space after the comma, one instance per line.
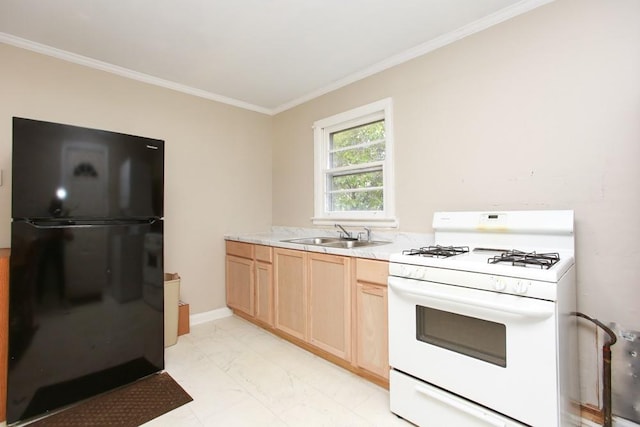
(510,285)
(489,282)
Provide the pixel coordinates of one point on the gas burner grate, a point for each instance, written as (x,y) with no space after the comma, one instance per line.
(526,259)
(437,251)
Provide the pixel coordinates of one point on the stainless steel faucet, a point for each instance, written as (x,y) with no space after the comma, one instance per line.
(368,230)
(344,233)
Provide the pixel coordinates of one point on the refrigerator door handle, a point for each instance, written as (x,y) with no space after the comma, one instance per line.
(87,223)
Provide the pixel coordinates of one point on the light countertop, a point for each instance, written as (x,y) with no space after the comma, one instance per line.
(398,241)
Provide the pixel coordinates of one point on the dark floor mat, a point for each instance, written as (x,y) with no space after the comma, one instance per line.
(131,405)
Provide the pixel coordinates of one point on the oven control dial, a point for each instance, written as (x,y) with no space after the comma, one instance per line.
(405,271)
(413,272)
(498,283)
(521,287)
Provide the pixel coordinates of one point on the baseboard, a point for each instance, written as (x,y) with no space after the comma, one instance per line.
(208,316)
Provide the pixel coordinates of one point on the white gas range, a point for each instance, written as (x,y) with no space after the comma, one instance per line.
(481,330)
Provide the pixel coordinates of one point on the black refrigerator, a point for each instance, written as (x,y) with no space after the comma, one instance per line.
(86,269)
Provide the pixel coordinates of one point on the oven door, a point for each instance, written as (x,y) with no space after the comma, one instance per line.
(494,349)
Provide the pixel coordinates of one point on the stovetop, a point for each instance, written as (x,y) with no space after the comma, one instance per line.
(526,259)
(514,257)
(532,264)
(437,251)
(535,245)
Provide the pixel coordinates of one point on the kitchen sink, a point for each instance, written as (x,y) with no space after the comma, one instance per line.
(336,242)
(352,244)
(315,240)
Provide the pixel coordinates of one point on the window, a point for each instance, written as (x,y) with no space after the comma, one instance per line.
(353,166)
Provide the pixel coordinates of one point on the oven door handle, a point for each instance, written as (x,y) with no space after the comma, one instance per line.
(528,312)
(474,412)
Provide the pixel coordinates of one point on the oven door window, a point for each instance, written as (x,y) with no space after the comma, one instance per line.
(477,338)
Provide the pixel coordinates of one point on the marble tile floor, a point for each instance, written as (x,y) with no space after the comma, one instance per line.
(240,375)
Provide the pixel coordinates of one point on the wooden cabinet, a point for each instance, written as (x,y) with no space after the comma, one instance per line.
(313,299)
(334,306)
(329,307)
(371,329)
(290,292)
(240,284)
(249,280)
(264,284)
(240,277)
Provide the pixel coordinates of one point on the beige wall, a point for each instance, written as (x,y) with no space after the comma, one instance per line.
(217,158)
(539,112)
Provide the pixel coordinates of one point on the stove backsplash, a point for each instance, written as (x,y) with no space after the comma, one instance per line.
(625,377)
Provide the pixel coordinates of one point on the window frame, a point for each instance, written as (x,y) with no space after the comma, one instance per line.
(322,130)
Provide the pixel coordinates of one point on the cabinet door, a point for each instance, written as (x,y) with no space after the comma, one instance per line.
(329,304)
(240,287)
(290,292)
(372,347)
(264,292)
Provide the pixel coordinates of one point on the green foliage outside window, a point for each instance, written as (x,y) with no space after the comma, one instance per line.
(357,190)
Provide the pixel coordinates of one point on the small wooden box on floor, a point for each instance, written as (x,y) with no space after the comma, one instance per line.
(183,318)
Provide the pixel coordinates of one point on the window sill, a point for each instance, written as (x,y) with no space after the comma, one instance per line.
(369,222)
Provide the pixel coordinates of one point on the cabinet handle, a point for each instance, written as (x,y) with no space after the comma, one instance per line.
(372,290)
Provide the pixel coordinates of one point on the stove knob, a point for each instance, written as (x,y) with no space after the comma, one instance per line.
(522,287)
(498,284)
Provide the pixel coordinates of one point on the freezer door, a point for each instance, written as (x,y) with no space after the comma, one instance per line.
(85,312)
(62,171)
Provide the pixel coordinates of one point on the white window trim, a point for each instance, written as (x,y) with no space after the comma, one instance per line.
(322,129)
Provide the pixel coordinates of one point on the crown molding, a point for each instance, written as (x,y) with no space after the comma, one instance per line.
(448,38)
(467,30)
(125,72)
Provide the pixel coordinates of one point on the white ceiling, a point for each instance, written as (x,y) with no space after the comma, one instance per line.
(264,55)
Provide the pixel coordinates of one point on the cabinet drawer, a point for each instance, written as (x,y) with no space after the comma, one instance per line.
(423,404)
(372,271)
(243,250)
(264,253)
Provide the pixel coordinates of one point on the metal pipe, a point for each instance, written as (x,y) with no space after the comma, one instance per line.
(606,383)
(606,367)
